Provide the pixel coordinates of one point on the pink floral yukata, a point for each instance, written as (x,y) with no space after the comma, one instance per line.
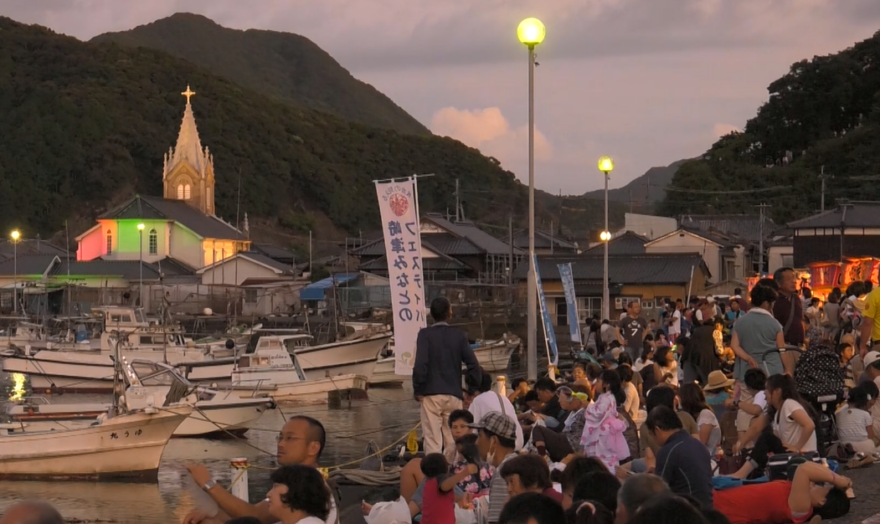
(475,484)
(603,432)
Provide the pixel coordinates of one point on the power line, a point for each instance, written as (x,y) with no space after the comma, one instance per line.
(741,192)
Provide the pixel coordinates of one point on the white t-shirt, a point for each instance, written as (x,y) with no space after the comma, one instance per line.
(707,418)
(632,400)
(852,425)
(760,400)
(488,402)
(675,327)
(789,431)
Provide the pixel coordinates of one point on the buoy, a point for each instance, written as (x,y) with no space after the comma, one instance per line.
(412,442)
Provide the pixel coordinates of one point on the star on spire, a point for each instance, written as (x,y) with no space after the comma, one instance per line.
(188,93)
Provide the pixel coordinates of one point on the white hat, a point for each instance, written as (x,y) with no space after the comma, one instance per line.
(871,357)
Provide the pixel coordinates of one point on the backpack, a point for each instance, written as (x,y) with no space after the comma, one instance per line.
(817,373)
(631,433)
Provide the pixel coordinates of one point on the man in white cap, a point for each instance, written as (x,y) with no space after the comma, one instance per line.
(872,374)
(496,440)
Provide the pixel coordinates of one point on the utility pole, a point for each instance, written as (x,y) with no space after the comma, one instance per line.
(631,201)
(510,242)
(551,237)
(761,207)
(822,177)
(457,202)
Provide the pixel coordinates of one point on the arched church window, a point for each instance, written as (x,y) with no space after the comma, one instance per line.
(154,242)
(109,242)
(180,192)
(186,192)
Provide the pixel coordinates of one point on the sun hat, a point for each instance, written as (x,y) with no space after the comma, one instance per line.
(717,380)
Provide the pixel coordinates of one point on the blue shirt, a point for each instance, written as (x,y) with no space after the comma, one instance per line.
(684,463)
(756,331)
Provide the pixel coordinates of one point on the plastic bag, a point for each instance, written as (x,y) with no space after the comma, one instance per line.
(389,513)
(464,516)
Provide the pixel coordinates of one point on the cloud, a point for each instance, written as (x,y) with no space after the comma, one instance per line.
(719,130)
(490,132)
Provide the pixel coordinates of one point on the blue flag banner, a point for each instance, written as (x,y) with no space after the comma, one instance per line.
(549,334)
(570,301)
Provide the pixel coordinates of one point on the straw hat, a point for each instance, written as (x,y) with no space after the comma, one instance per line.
(718,380)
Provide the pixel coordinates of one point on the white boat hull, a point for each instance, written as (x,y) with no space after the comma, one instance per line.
(124,446)
(494,356)
(309,391)
(384,373)
(356,357)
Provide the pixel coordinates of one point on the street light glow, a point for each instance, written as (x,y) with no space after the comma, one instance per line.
(15,234)
(141,226)
(531,32)
(606,165)
(605,236)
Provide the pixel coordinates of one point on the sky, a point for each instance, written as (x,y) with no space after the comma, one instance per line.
(647,82)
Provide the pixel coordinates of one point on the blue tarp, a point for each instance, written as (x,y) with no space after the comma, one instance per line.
(317,290)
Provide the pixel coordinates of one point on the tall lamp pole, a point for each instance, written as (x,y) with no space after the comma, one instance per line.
(15,236)
(531,32)
(606,165)
(141,265)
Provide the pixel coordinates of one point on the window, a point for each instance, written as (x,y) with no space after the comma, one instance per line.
(180,192)
(186,192)
(561,312)
(154,242)
(109,242)
(250,296)
(587,306)
(788,260)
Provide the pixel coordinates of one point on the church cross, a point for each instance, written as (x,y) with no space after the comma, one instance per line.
(188,93)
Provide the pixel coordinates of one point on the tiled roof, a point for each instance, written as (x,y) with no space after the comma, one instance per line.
(628,243)
(273,251)
(206,226)
(543,240)
(126,269)
(30,247)
(450,245)
(856,214)
(746,227)
(484,241)
(271,262)
(432,264)
(28,264)
(622,269)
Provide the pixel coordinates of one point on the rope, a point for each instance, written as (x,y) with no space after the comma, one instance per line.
(377,453)
(368,478)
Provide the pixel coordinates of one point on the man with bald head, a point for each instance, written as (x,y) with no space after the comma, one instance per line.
(32,512)
(301,441)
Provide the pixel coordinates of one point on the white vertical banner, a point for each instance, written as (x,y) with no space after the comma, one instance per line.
(398,206)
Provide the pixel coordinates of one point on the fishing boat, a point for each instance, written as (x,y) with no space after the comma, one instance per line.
(215,413)
(272,369)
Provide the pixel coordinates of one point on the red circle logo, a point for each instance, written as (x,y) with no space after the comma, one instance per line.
(398,204)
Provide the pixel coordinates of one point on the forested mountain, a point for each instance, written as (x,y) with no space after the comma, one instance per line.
(823,112)
(83,125)
(285,66)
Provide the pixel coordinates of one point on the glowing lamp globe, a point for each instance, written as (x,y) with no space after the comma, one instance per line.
(605,236)
(606,165)
(531,32)
(140,227)
(15,235)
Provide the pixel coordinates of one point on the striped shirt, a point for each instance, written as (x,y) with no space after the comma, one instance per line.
(498,492)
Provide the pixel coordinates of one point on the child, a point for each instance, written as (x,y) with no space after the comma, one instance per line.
(845,353)
(717,392)
(438,496)
(476,484)
(855,426)
(755,380)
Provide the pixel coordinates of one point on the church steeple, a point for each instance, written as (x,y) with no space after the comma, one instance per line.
(188,172)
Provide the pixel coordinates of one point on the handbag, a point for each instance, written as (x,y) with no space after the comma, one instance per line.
(781,466)
(730,464)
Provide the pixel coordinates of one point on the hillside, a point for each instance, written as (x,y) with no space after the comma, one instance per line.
(285,66)
(823,112)
(83,125)
(647,188)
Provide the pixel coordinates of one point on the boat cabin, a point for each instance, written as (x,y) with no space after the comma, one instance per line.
(138,330)
(152,384)
(290,342)
(274,353)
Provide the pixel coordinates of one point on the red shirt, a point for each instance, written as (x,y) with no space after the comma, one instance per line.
(765,503)
(438,507)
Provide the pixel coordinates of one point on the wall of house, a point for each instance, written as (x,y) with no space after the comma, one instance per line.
(186,246)
(273,300)
(234,272)
(649,226)
(217,250)
(779,256)
(92,245)
(823,245)
(128,240)
(685,243)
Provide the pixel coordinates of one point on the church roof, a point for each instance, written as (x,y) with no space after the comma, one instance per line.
(149,207)
(189,146)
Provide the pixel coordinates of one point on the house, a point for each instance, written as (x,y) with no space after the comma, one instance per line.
(744,227)
(622,243)
(180,225)
(648,278)
(451,251)
(246,266)
(546,243)
(850,230)
(276,253)
(9,249)
(726,258)
(352,291)
(649,226)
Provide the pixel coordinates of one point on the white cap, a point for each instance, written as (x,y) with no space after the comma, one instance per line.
(871,357)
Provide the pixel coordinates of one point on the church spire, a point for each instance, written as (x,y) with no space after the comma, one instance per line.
(189,147)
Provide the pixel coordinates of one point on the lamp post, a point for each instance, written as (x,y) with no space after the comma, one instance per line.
(531,32)
(15,236)
(141,264)
(606,165)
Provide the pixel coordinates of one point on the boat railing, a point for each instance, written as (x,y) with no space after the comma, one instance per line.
(32,400)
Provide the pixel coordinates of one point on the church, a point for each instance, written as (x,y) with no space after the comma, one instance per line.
(181,225)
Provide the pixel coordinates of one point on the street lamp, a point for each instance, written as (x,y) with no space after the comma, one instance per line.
(606,165)
(15,236)
(531,32)
(141,265)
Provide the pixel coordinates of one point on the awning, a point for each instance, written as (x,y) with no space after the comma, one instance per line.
(592,290)
(317,290)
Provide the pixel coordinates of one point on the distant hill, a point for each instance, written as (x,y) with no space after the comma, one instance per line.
(822,112)
(84,125)
(646,188)
(282,65)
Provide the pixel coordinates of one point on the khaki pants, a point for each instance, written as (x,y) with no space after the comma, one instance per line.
(435,424)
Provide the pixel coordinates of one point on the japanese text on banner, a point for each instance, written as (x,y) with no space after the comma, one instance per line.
(403,251)
(570,301)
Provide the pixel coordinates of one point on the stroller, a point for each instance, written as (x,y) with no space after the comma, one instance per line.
(820,382)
